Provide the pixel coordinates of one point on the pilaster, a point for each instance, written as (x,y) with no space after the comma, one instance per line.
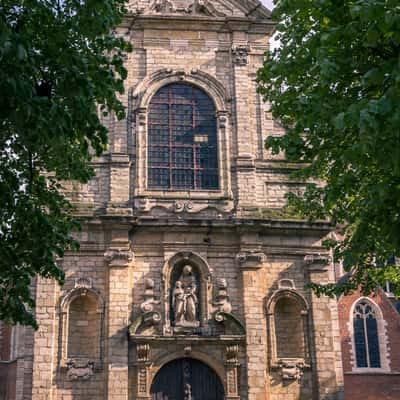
(327,376)
(250,261)
(118,258)
(44,340)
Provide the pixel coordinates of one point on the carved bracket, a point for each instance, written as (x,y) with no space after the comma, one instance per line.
(250,259)
(80,370)
(317,262)
(291,370)
(240,55)
(83,283)
(118,257)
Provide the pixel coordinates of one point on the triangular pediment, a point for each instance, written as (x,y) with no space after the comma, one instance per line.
(209,8)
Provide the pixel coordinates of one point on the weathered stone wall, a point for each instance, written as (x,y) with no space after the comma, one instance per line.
(131,234)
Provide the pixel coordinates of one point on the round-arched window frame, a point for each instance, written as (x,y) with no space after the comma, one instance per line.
(182,139)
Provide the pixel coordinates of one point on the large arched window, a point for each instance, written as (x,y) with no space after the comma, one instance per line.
(182,140)
(366,338)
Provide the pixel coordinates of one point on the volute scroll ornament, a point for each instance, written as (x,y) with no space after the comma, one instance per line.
(223,307)
(150,316)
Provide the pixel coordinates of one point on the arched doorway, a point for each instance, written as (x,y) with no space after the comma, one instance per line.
(186,379)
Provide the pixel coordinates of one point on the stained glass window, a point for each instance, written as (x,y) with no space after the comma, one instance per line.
(182,153)
(366,337)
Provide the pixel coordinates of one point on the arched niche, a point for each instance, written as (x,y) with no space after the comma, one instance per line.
(288,329)
(81,326)
(194,274)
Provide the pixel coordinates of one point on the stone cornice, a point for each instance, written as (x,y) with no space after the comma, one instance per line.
(229,24)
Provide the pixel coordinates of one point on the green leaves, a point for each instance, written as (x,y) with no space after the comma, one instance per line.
(333,84)
(59,64)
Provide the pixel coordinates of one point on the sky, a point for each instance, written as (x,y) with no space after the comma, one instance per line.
(267,3)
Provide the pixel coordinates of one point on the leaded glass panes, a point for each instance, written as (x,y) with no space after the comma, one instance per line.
(366,337)
(182,141)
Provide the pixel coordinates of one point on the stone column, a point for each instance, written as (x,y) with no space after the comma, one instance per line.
(118,257)
(250,263)
(326,356)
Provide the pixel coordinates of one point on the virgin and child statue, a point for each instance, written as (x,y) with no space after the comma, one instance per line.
(184,299)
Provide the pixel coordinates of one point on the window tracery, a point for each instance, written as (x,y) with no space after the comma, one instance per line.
(366,336)
(182,139)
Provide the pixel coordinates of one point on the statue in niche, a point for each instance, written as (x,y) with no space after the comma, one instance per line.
(184,299)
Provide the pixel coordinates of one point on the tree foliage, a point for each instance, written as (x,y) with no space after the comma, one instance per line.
(334,83)
(60,65)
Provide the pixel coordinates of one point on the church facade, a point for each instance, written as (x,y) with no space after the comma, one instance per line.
(191,279)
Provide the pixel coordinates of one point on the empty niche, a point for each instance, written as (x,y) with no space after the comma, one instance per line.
(83,328)
(289,329)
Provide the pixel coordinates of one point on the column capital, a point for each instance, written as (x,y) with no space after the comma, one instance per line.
(118,257)
(250,259)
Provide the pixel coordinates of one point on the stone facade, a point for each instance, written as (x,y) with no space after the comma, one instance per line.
(112,329)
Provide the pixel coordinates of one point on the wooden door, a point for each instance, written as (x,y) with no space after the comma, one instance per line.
(186,379)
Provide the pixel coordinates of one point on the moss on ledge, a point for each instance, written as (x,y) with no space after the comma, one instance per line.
(285,213)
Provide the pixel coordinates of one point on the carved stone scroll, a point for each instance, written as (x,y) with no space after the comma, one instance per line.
(149,298)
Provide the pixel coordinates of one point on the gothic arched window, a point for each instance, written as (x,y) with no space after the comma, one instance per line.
(366,338)
(182,140)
